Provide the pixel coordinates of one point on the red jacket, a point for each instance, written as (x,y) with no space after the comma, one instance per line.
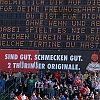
(57,76)
(77,82)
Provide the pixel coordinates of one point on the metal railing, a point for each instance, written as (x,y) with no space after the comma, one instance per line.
(8,91)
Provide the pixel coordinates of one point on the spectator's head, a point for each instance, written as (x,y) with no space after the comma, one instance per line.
(98,74)
(20,84)
(53,97)
(34,94)
(80,94)
(70,87)
(29,72)
(62,96)
(16,89)
(45,96)
(65,85)
(79,72)
(31,77)
(82,98)
(65,92)
(4,72)
(61,85)
(48,70)
(86,86)
(57,96)
(38,95)
(97,93)
(57,72)
(56,83)
(25,85)
(92,92)
(15,98)
(86,72)
(41,71)
(22,94)
(75,96)
(87,97)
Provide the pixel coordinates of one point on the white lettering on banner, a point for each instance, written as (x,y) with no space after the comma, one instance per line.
(76,58)
(29,65)
(51,57)
(11,56)
(63,66)
(9,65)
(25,57)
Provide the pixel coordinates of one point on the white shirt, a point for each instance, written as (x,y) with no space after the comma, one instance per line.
(98,86)
(37,83)
(23,97)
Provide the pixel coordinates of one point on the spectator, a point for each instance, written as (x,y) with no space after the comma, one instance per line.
(97,96)
(93,84)
(20,96)
(41,75)
(45,98)
(25,75)
(87,91)
(10,73)
(57,76)
(4,75)
(33,97)
(98,78)
(25,89)
(20,88)
(31,84)
(56,89)
(62,98)
(41,88)
(80,75)
(15,98)
(16,92)
(70,91)
(80,96)
(76,98)
(39,97)
(92,95)
(52,98)
(98,87)
(46,86)
(18,76)
(1,89)
(82,90)
(86,75)
(87,98)
(65,88)
(78,81)
(23,79)
(12,95)
(3,82)
(57,97)
(24,97)
(66,94)
(75,92)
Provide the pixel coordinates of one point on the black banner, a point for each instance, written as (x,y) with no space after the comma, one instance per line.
(67,60)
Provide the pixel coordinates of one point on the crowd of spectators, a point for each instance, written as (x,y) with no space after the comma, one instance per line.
(6,80)
(56,86)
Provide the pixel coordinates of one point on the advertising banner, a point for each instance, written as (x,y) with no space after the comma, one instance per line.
(31,60)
